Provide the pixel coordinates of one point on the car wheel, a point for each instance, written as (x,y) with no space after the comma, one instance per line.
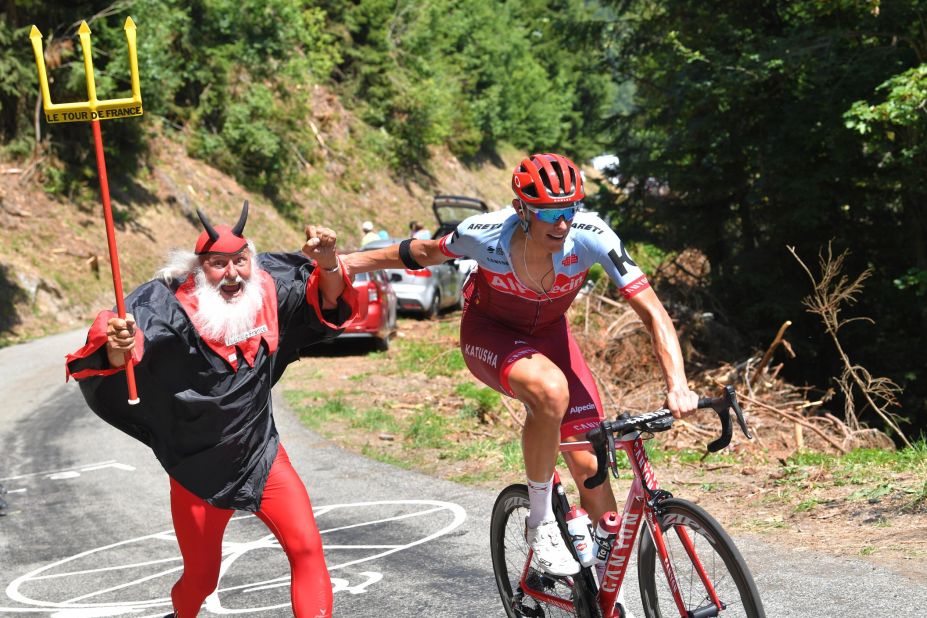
(432,311)
(381,344)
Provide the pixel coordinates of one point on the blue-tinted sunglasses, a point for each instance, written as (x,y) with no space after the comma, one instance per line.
(552,215)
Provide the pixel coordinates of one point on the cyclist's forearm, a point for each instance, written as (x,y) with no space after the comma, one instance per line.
(425,252)
(663,337)
(668,352)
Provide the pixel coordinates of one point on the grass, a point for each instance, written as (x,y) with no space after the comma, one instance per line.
(431,358)
(478,401)
(316,409)
(426,429)
(376,419)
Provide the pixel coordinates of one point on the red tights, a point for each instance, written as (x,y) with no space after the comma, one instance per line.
(286,511)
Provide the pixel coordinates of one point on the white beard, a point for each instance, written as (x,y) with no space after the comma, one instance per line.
(219,319)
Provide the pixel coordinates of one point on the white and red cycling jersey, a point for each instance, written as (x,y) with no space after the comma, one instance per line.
(505,320)
(487,238)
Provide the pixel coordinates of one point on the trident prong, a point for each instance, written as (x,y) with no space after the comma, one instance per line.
(93,111)
(93,108)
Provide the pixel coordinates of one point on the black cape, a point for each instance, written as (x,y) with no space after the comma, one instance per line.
(211,427)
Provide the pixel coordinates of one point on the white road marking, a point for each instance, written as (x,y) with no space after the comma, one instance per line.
(78,607)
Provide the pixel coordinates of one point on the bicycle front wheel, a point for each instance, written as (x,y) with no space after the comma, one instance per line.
(509,557)
(686,524)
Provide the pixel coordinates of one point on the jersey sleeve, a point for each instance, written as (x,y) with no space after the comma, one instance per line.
(610,252)
(460,242)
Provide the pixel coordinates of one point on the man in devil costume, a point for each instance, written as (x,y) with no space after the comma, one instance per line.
(210,336)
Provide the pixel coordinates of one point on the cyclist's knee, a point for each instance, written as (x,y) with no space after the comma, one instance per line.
(547,395)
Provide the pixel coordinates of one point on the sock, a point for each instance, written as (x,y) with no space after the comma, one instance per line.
(539,502)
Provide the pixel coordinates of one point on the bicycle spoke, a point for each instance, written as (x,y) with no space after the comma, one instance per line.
(696,546)
(514,553)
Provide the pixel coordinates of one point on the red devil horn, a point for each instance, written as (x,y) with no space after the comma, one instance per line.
(213,234)
(240,226)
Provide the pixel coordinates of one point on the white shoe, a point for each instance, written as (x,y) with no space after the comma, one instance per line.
(550,551)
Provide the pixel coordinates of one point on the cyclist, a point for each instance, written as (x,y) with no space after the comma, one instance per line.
(532,261)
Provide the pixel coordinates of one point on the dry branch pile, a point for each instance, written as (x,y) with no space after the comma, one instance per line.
(781,415)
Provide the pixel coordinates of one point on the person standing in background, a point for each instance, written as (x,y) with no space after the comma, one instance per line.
(418,231)
(369,235)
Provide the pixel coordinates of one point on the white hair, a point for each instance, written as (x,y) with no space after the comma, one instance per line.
(180,264)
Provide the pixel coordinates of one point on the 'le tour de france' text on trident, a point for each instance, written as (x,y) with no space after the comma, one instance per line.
(93,110)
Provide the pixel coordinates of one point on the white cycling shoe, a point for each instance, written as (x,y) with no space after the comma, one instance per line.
(549,549)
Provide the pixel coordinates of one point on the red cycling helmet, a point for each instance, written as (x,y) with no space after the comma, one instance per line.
(544,179)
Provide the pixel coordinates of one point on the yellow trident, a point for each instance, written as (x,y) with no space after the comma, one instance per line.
(93,108)
(92,111)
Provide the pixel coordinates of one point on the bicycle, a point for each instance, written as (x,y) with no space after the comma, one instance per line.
(705,575)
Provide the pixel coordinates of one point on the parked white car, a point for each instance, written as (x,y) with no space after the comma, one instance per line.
(428,291)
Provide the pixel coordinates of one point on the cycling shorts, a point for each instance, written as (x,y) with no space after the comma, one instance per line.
(491,349)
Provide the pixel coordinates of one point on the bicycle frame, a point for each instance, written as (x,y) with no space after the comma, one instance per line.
(642,504)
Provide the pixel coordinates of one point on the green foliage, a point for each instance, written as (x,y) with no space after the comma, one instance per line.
(595,274)
(647,255)
(750,128)
(17,82)
(472,74)
(867,461)
(235,77)
(905,98)
(914,279)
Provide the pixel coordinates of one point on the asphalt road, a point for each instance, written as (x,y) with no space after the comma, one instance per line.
(88,531)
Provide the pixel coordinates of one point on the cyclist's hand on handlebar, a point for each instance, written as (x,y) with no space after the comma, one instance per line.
(681,401)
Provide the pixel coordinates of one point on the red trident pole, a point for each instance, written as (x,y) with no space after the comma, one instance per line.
(93,111)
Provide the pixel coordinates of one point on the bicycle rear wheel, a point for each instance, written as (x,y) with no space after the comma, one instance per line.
(509,555)
(722,562)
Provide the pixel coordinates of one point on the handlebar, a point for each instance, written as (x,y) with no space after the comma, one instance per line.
(602,437)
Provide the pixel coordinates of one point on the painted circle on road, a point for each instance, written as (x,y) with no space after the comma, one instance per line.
(98,581)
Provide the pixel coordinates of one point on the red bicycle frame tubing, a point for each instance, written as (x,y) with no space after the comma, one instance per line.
(616,564)
(635,510)
(640,464)
(537,594)
(690,551)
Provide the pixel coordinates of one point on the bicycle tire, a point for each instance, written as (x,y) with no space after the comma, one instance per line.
(723,563)
(509,553)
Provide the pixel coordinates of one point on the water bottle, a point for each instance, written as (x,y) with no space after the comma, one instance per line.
(605,533)
(580,529)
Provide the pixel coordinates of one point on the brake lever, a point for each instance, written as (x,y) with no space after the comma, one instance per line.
(732,399)
(722,406)
(596,438)
(612,463)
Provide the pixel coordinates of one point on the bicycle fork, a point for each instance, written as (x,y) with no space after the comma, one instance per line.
(644,490)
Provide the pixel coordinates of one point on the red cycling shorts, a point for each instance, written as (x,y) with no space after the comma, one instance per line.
(490,349)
